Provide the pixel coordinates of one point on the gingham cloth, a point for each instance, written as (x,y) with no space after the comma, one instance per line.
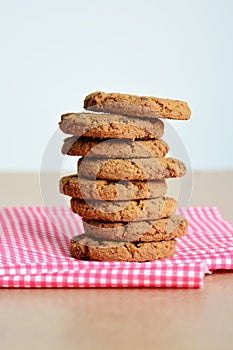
(34,252)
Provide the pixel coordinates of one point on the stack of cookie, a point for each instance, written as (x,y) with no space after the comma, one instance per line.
(120,186)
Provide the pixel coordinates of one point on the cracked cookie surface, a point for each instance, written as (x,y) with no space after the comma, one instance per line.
(138,231)
(131,169)
(86,247)
(114,148)
(76,187)
(133,105)
(111,126)
(125,211)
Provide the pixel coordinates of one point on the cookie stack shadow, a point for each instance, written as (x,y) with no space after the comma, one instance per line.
(120,186)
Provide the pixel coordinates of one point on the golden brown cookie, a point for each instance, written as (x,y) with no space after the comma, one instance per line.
(131,169)
(76,187)
(124,211)
(111,126)
(114,148)
(86,247)
(138,231)
(141,106)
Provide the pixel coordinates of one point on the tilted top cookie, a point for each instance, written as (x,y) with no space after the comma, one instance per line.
(140,106)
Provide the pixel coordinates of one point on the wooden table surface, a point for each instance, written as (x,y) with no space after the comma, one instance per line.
(120,318)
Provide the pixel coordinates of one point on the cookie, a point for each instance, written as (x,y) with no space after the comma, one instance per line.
(131,169)
(76,187)
(124,211)
(86,247)
(111,126)
(114,148)
(138,231)
(141,106)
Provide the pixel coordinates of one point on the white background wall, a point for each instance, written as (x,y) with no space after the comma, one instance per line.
(55,52)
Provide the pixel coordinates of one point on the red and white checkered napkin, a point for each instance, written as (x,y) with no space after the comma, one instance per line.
(34,252)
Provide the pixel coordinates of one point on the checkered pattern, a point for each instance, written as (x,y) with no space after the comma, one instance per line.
(34,252)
